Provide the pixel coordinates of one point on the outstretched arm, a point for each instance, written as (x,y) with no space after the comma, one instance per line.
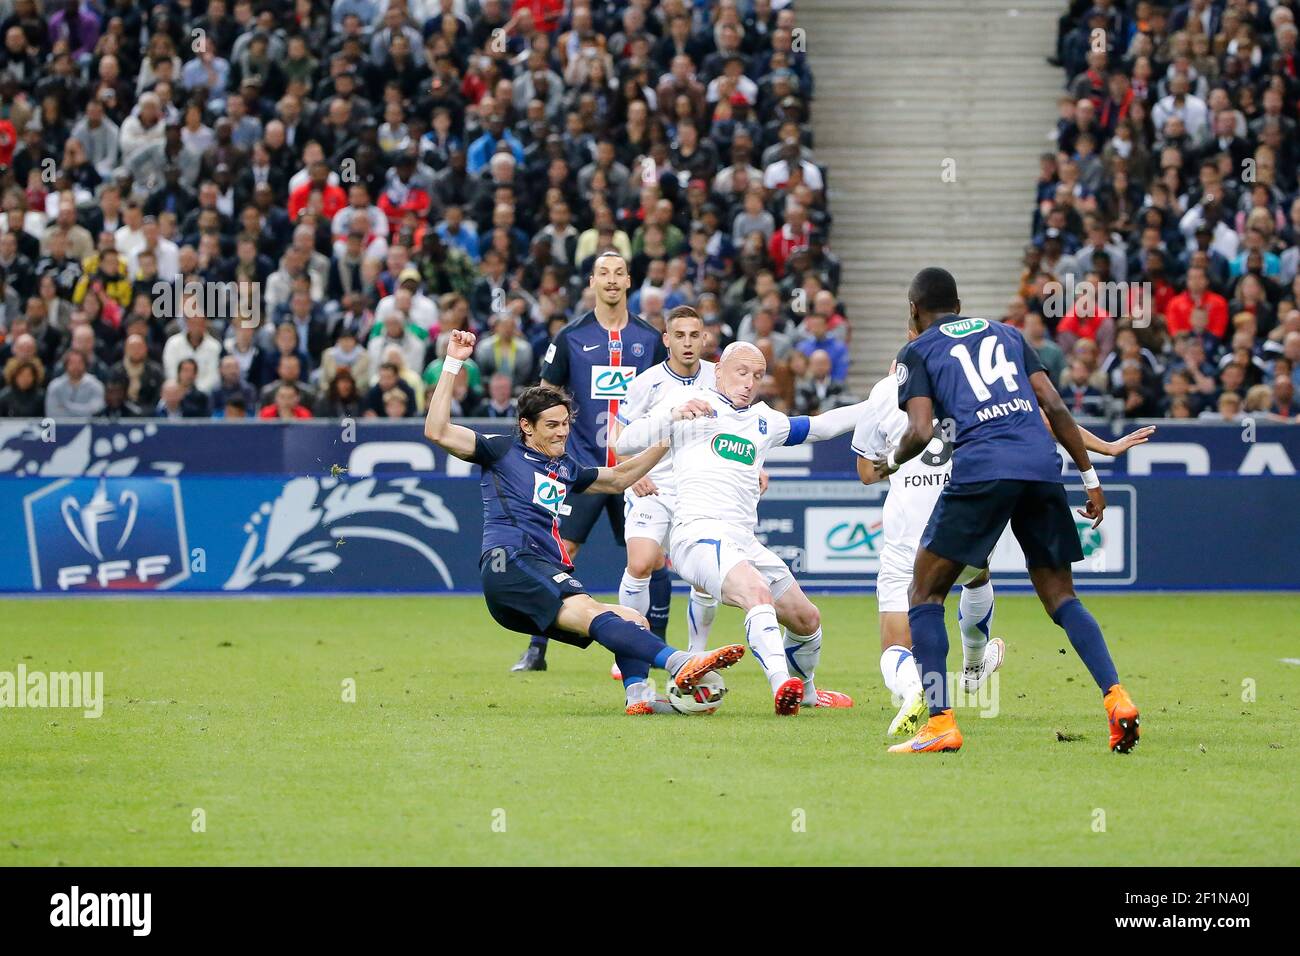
(1112,448)
(438,427)
(833,423)
(627,473)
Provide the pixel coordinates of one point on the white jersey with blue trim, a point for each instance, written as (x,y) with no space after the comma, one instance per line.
(916,486)
(644,394)
(717,460)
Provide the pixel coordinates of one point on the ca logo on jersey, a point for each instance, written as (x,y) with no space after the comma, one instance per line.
(550,494)
(611,381)
(963,327)
(734,448)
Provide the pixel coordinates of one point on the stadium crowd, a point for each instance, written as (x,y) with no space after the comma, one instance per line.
(283,208)
(1170,208)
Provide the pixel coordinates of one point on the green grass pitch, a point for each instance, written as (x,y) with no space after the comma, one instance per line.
(234,707)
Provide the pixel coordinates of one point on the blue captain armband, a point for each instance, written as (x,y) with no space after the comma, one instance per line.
(798,430)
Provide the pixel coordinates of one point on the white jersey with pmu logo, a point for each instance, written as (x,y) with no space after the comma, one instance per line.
(915,487)
(644,394)
(717,460)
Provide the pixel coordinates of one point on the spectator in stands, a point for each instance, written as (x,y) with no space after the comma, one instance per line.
(814,337)
(287,404)
(231,383)
(23,395)
(817,392)
(1080,394)
(388,378)
(288,369)
(345,353)
(506,351)
(75,393)
(341,398)
(195,343)
(498,403)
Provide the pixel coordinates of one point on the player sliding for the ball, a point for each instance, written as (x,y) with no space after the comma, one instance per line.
(526,571)
(990,384)
(720,438)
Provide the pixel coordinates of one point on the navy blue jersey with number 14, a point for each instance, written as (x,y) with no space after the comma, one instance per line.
(977,374)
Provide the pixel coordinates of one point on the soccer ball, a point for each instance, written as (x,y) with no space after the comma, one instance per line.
(704,699)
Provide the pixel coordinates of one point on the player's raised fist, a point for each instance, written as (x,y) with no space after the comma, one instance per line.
(461,345)
(695,408)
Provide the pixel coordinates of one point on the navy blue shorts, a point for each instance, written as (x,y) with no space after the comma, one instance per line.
(585,511)
(969,518)
(525,591)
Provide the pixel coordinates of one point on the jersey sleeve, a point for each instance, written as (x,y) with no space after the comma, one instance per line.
(784,430)
(913,379)
(555,363)
(489,449)
(869,436)
(586,475)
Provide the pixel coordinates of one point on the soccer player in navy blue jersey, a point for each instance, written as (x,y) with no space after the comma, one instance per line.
(524,565)
(595,358)
(985,380)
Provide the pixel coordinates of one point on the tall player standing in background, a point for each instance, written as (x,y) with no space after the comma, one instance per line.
(595,358)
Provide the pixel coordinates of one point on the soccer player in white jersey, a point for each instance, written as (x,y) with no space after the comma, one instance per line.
(720,438)
(913,491)
(650,502)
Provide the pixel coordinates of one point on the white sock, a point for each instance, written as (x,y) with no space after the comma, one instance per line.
(763,635)
(898,668)
(634,593)
(699,619)
(638,693)
(975,619)
(803,651)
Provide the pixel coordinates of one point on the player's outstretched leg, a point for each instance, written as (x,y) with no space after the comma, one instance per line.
(981,655)
(534,656)
(700,612)
(624,633)
(803,646)
(932,578)
(1055,587)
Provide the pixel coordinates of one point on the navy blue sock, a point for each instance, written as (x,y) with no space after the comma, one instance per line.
(539,642)
(661,598)
(1085,634)
(930,648)
(626,639)
(634,671)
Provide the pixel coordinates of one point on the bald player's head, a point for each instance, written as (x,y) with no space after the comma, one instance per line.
(740,370)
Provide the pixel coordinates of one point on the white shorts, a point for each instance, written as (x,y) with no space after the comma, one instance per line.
(894,579)
(704,552)
(649,516)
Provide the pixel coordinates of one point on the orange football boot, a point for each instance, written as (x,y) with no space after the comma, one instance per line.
(1122,714)
(640,708)
(788,697)
(693,671)
(939,735)
(832,698)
